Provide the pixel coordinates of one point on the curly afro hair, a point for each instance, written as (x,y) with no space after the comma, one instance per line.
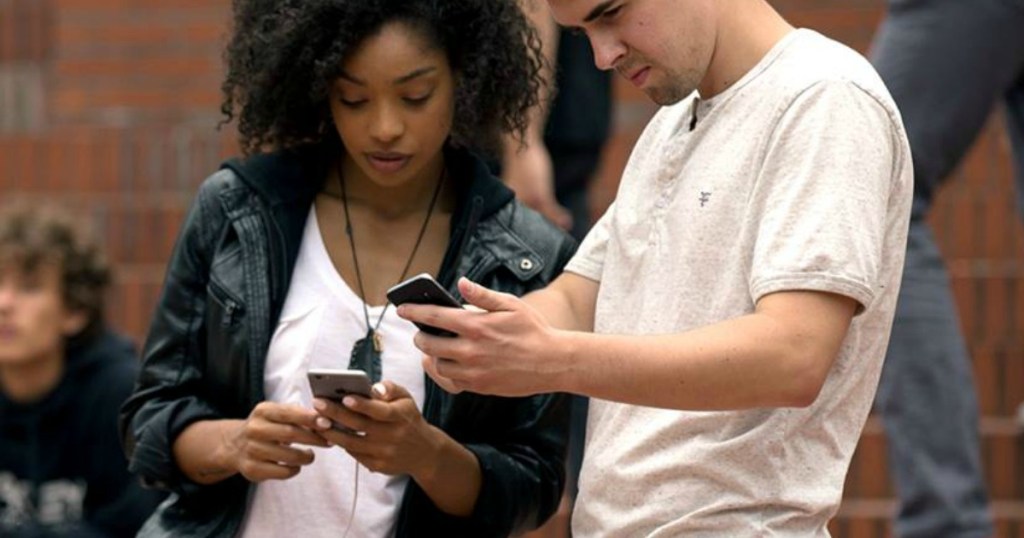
(283,56)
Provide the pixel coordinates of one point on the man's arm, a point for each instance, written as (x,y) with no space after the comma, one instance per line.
(567,303)
(779,355)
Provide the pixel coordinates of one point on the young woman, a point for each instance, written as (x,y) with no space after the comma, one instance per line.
(358,119)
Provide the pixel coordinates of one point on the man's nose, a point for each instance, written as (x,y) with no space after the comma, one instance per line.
(608,50)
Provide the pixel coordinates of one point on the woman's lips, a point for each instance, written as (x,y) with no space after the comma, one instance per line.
(387,163)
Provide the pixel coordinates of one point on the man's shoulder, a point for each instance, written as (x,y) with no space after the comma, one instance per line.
(815,63)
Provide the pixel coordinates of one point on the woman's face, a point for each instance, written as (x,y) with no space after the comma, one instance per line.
(393,105)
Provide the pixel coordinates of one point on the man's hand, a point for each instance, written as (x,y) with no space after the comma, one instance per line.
(529,173)
(505,348)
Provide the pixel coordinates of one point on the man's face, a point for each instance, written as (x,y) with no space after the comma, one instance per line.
(33,318)
(663,47)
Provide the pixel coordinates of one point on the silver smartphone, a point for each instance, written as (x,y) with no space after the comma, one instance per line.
(336,384)
(332,384)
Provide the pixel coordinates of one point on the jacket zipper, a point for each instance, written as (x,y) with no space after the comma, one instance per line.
(231,306)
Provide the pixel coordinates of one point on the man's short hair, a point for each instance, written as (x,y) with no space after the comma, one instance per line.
(32,236)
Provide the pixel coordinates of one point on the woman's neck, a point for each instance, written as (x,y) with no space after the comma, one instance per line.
(395,202)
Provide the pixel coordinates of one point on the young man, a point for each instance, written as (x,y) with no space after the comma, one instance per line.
(62,380)
(729,313)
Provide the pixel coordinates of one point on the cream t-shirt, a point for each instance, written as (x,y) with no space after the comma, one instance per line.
(798,177)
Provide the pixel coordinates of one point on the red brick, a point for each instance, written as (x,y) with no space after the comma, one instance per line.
(1002,459)
(1013,379)
(873,478)
(71,35)
(996,311)
(136,4)
(148,67)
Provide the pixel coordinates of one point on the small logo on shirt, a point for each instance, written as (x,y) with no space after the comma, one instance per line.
(705,197)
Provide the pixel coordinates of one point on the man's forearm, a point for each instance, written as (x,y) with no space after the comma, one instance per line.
(567,303)
(752,361)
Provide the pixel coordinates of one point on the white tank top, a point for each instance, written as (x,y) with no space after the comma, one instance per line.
(321,320)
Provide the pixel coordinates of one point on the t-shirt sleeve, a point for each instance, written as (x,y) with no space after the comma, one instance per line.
(589,259)
(823,195)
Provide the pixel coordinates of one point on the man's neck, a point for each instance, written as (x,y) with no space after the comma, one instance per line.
(33,380)
(749,30)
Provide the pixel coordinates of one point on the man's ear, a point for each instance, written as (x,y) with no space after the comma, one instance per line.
(74,322)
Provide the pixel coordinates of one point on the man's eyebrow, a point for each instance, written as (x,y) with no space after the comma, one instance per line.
(598,10)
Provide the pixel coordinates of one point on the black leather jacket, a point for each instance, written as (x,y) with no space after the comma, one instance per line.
(225,286)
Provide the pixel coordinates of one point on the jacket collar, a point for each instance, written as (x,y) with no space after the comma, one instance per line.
(283,176)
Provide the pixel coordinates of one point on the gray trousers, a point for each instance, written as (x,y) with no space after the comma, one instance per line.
(948,63)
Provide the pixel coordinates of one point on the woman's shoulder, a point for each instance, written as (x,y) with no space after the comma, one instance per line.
(533,236)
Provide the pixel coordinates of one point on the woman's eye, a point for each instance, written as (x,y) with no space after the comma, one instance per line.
(611,13)
(352,103)
(419,100)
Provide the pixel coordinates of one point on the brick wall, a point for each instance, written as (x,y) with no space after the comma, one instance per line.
(111,105)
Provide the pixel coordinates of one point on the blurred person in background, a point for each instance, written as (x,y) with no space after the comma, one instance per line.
(553,170)
(948,64)
(360,122)
(63,376)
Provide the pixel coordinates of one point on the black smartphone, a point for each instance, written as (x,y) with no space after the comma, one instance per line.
(423,289)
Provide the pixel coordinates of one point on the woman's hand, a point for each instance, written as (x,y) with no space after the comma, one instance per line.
(392,436)
(262,445)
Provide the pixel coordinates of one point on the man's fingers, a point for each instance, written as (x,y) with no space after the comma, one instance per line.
(489,300)
(442,317)
(430,366)
(443,346)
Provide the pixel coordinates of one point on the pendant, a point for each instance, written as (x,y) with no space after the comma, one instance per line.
(378,342)
(366,355)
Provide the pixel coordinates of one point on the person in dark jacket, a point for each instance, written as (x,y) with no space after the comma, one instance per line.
(63,377)
(360,121)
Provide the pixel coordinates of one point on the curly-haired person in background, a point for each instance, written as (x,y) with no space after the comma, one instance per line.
(359,121)
(63,376)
